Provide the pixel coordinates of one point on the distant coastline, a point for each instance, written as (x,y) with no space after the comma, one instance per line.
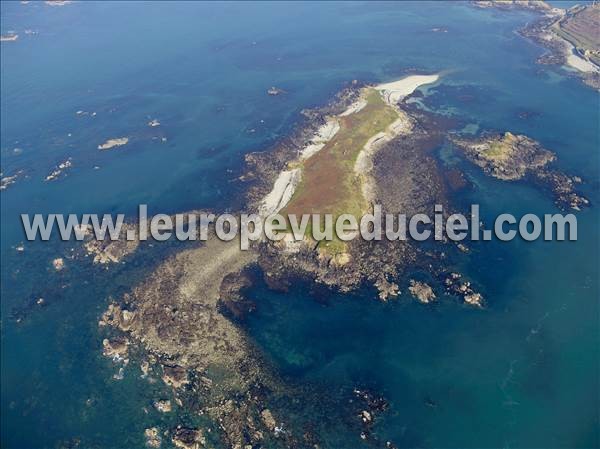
(570,35)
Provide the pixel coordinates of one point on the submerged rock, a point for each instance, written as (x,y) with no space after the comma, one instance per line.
(153,439)
(175,376)
(58,263)
(268,419)
(371,406)
(163,405)
(275,91)
(187,438)
(116,348)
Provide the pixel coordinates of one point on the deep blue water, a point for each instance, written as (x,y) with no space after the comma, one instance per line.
(524,372)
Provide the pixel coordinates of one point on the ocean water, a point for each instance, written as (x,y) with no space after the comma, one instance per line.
(523,372)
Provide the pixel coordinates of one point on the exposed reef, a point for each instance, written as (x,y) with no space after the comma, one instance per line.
(275,91)
(111,251)
(422,291)
(112,143)
(6,181)
(206,359)
(59,170)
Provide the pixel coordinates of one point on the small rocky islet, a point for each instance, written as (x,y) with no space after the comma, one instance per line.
(511,157)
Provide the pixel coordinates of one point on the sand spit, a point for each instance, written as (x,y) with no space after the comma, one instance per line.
(396,90)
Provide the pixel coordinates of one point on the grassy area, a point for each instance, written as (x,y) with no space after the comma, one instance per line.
(329,184)
(501,149)
(497,150)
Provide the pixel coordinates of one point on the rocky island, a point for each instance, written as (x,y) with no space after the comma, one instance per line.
(112,143)
(513,157)
(348,154)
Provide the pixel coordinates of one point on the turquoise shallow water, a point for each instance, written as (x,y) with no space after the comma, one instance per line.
(522,373)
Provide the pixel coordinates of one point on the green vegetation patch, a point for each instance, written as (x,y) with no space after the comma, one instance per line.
(329,184)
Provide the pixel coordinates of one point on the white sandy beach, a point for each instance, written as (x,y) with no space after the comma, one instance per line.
(282,192)
(573,59)
(396,90)
(583,65)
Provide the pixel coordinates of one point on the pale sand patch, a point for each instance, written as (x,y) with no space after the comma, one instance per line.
(583,65)
(574,60)
(282,192)
(354,107)
(396,90)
